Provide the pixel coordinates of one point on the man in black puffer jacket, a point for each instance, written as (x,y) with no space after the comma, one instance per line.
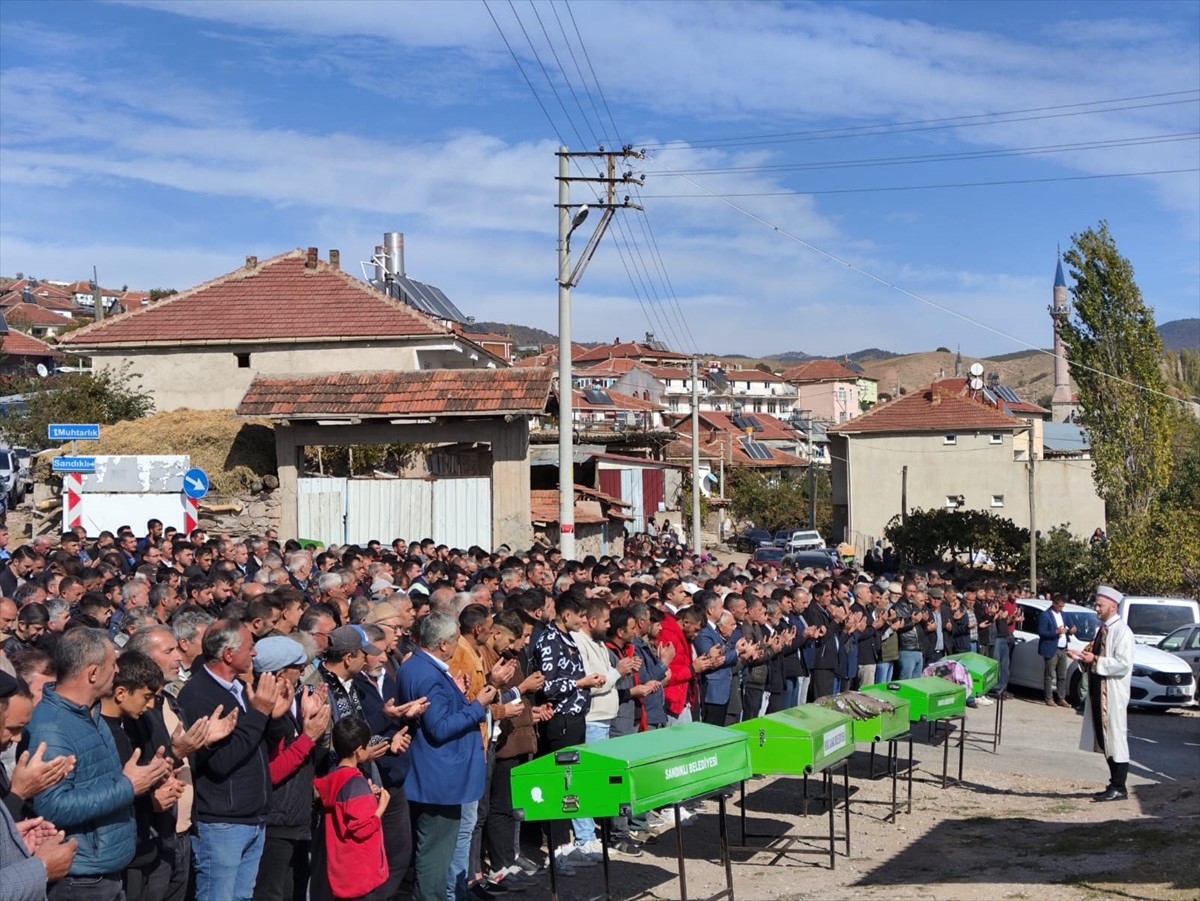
(232,779)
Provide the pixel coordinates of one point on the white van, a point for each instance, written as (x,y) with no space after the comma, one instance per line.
(1153,619)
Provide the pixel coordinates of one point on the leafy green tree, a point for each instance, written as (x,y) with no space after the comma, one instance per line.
(775,503)
(1154,554)
(105,397)
(1066,564)
(933,536)
(1115,354)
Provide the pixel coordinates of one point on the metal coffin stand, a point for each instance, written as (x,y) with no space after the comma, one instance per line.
(892,728)
(937,702)
(633,774)
(802,741)
(985,674)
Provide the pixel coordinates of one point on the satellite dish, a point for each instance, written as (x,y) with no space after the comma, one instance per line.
(42,370)
(976,369)
(976,382)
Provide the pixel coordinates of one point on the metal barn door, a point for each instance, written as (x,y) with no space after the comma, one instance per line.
(321,510)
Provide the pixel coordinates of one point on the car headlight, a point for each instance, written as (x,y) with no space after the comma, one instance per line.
(1142,671)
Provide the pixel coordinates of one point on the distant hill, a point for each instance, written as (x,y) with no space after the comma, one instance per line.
(1180,334)
(1029,373)
(522,335)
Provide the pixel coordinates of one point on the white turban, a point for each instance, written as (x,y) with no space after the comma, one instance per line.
(1111,593)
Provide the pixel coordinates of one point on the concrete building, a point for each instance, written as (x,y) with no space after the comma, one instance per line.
(293,313)
(825,390)
(948,446)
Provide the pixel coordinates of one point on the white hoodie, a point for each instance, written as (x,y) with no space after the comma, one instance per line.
(596,660)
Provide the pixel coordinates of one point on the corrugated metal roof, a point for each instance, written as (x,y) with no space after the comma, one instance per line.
(1064,437)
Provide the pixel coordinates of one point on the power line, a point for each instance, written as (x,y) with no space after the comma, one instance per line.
(905,291)
(869,162)
(644,220)
(916,125)
(965,184)
(562,141)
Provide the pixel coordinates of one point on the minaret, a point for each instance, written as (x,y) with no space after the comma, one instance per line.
(1060,403)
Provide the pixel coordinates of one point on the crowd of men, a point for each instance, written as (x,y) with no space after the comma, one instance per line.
(198,717)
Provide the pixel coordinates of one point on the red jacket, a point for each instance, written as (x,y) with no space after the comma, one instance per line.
(354,854)
(677,694)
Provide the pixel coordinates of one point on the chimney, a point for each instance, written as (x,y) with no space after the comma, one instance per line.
(393,248)
(310,261)
(251,263)
(335,259)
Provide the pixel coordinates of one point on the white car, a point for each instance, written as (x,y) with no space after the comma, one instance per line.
(805,539)
(1159,679)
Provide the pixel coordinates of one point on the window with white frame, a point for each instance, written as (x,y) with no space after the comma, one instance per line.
(949,439)
(997,438)
(997,500)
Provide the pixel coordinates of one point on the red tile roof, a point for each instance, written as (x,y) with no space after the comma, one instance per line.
(751,375)
(544,505)
(714,447)
(770,428)
(930,410)
(18,344)
(33,314)
(619,402)
(626,349)
(820,371)
(440,392)
(278,299)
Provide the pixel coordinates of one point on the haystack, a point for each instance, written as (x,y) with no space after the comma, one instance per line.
(234,451)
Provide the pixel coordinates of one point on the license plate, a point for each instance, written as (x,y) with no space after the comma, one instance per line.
(1175,691)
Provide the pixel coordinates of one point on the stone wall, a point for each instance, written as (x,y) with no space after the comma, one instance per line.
(248,513)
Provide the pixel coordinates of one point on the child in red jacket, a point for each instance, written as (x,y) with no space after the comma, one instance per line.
(355,860)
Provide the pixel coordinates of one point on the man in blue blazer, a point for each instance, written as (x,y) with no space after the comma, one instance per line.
(446,762)
(1053,633)
(717,632)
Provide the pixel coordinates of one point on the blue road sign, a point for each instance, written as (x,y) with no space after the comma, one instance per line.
(195,483)
(73,464)
(74,431)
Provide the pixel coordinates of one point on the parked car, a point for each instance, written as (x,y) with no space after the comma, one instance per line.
(24,474)
(805,539)
(750,540)
(817,558)
(1152,619)
(10,468)
(1160,679)
(768,554)
(781,538)
(1184,643)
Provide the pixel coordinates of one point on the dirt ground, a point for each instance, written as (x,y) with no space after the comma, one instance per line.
(1009,831)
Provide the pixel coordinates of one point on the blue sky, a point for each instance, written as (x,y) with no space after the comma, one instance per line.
(164,141)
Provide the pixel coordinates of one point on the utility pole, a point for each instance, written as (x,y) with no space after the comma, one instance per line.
(903,495)
(1032,520)
(567,279)
(96,299)
(812,476)
(696,543)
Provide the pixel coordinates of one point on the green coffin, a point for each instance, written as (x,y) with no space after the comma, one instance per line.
(630,774)
(930,697)
(887,725)
(985,672)
(800,741)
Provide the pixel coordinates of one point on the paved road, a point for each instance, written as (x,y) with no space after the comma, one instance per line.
(1043,741)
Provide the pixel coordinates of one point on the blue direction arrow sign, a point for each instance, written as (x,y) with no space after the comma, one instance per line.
(68,431)
(195,483)
(73,464)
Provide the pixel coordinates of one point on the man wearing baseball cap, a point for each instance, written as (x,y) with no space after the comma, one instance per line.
(1109,666)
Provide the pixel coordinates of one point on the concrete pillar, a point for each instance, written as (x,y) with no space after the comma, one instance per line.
(511,516)
(287,458)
